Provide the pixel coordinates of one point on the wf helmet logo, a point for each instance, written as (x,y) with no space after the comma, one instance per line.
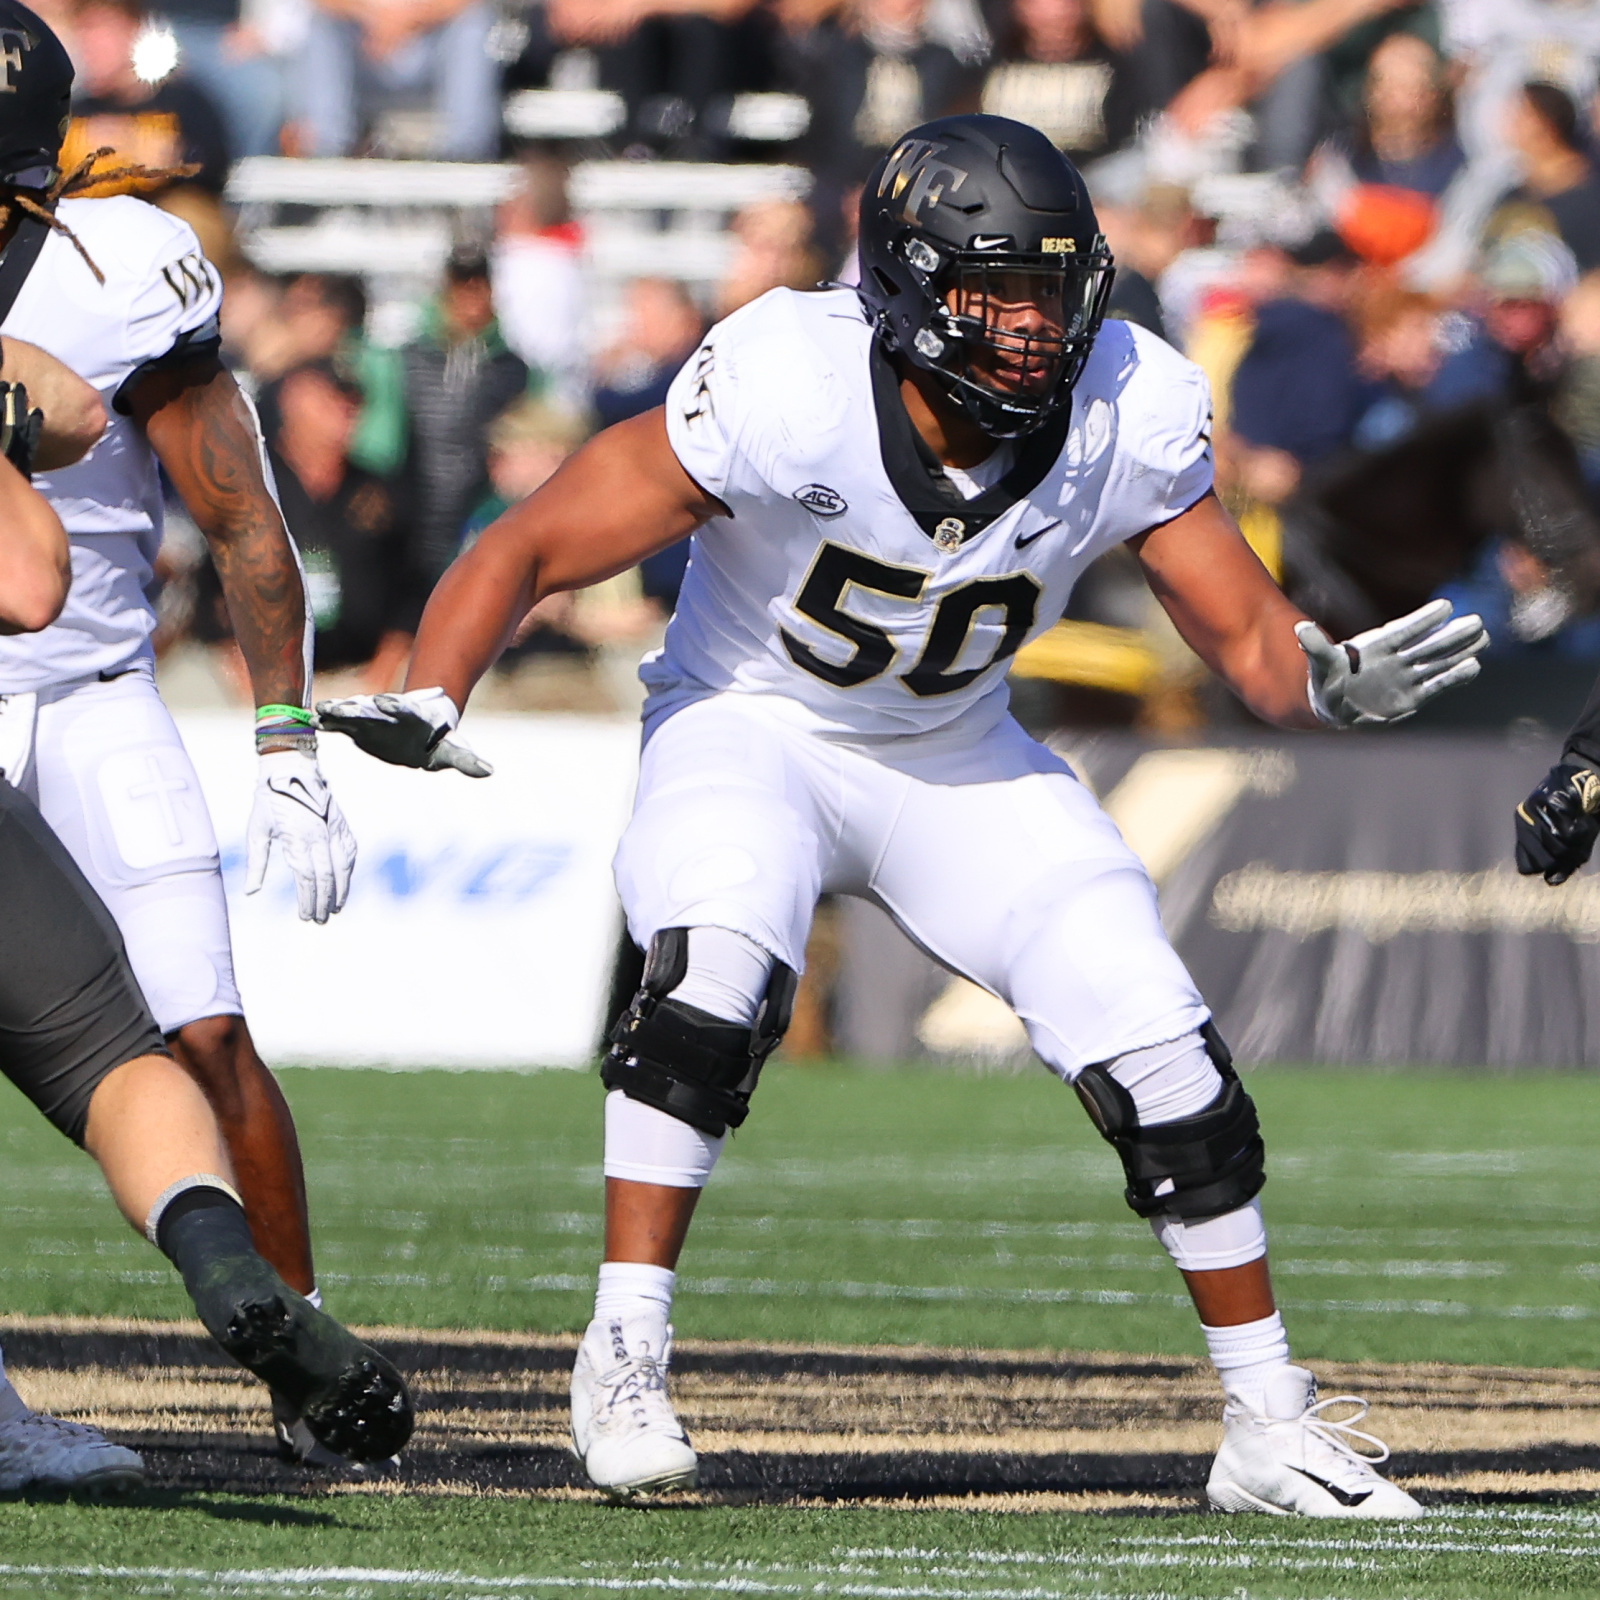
(913,166)
(13,41)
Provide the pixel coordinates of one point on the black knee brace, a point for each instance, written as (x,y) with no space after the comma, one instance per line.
(682,1060)
(1215,1159)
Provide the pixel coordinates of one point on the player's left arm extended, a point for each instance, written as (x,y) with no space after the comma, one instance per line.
(204,431)
(1280,663)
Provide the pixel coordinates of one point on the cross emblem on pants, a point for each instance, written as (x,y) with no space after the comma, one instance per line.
(161,789)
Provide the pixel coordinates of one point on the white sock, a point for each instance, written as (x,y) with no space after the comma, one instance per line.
(315,1297)
(1245,1356)
(630,1289)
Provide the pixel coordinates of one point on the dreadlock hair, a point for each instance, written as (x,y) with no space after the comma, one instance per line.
(84,182)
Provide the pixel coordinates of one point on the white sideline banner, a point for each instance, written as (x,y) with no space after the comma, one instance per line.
(482,921)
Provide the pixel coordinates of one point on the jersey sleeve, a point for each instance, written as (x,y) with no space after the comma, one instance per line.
(1174,450)
(701,411)
(172,312)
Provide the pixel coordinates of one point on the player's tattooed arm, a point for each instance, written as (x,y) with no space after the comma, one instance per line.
(620,498)
(204,432)
(74,416)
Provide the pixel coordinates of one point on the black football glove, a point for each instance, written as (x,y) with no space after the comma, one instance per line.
(19,428)
(1558,823)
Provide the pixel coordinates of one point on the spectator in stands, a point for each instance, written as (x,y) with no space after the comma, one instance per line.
(307,318)
(675,62)
(1296,392)
(1404,135)
(1204,59)
(527,442)
(1559,182)
(350,527)
(160,119)
(870,69)
(660,328)
(1577,405)
(360,53)
(458,376)
(1055,72)
(540,291)
(240,64)
(1422,360)
(774,252)
(1526,276)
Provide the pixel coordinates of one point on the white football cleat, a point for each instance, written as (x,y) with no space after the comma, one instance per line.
(1295,1461)
(42,1452)
(624,1429)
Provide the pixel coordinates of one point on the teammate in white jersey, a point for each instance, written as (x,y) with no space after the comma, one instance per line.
(121,293)
(890,491)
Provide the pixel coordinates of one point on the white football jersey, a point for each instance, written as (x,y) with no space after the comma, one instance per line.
(853,578)
(159,293)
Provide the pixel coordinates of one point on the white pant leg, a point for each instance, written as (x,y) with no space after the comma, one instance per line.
(1003,866)
(734,822)
(111,776)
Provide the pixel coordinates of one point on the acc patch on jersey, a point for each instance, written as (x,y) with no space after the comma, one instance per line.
(818,497)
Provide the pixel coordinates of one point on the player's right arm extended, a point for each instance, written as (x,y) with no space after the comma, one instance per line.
(74,416)
(620,498)
(35,563)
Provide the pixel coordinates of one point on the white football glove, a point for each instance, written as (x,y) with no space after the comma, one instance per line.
(1388,673)
(295,810)
(405,729)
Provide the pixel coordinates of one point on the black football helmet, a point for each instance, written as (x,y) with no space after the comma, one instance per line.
(966,221)
(35,99)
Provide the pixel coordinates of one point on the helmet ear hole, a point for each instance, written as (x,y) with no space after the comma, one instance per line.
(885,282)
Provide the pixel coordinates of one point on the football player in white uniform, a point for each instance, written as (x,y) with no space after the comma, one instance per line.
(77,1038)
(121,293)
(891,490)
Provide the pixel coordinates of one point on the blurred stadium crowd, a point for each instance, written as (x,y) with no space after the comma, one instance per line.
(1376,225)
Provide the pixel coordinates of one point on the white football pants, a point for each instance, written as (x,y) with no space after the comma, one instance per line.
(987,851)
(105,765)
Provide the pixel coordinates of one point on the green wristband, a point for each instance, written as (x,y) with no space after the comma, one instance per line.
(285,714)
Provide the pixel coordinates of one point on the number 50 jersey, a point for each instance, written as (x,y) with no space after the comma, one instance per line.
(853,576)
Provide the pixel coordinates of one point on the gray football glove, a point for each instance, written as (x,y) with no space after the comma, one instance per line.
(405,729)
(1388,673)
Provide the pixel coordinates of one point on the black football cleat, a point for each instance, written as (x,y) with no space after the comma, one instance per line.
(353,1400)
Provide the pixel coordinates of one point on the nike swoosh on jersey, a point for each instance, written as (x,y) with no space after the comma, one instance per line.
(1023,540)
(1343,1496)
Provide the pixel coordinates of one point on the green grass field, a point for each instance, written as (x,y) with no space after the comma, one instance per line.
(1414,1218)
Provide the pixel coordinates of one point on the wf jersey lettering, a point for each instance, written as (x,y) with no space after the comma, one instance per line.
(699,404)
(190,279)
